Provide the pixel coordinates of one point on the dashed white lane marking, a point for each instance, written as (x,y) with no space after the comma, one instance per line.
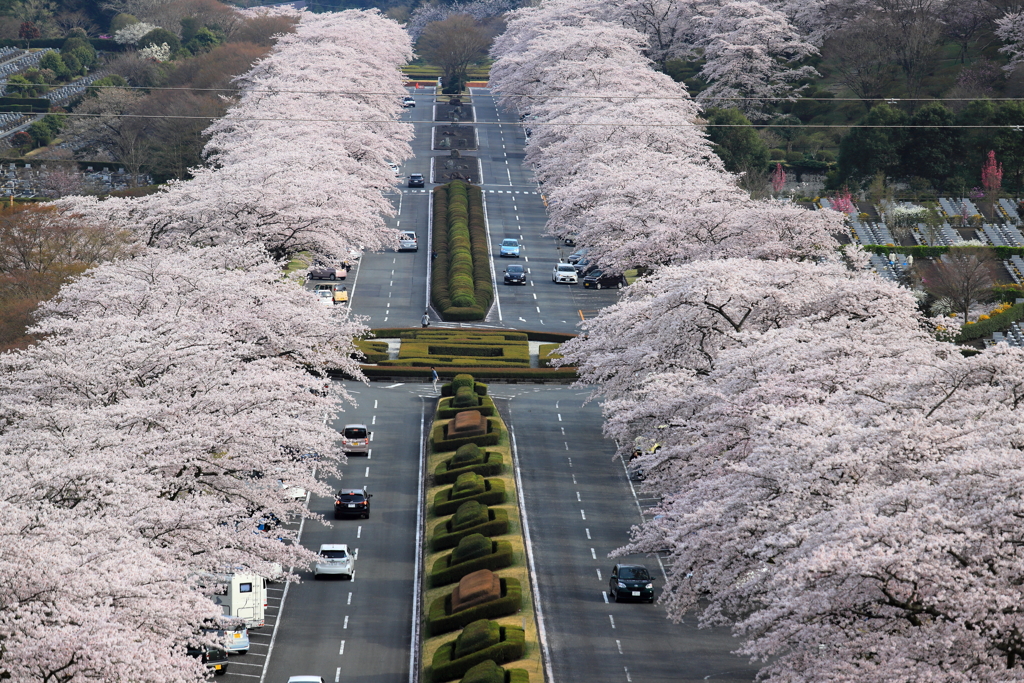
(390,386)
(599,575)
(567,447)
(604,594)
(341,650)
(588,538)
(367,471)
(618,644)
(535,295)
(611,619)
(593,553)
(349,598)
(359,534)
(559,417)
(574,478)
(337,675)
(345,625)
(583,514)
(570,462)
(629,679)
(375,404)
(538,308)
(373,420)
(578,499)
(355,554)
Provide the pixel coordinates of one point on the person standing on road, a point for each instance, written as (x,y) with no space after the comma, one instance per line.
(426,319)
(433,377)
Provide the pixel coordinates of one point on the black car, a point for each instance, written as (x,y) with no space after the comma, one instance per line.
(602,279)
(352,503)
(416,180)
(575,256)
(583,266)
(215,659)
(631,582)
(515,275)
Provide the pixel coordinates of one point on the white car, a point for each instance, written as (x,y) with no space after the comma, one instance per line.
(408,102)
(324,297)
(564,272)
(293,492)
(305,679)
(334,560)
(407,241)
(394,169)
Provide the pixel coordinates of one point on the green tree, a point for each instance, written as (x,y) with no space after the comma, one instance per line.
(735,140)
(53,62)
(876,148)
(120,21)
(81,49)
(203,41)
(931,153)
(100,84)
(159,36)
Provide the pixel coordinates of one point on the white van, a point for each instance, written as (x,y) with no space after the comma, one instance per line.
(407,241)
(243,596)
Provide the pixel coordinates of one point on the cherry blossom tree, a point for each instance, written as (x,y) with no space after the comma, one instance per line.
(751,51)
(1010,29)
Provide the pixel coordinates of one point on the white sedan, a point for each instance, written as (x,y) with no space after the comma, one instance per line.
(334,560)
(325,297)
(564,272)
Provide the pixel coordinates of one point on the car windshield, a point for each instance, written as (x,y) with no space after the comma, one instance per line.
(334,554)
(355,433)
(408,235)
(596,274)
(566,267)
(351,498)
(324,293)
(509,243)
(417,176)
(514,270)
(636,573)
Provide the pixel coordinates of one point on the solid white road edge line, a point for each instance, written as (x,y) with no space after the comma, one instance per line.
(414,638)
(490,257)
(284,596)
(528,547)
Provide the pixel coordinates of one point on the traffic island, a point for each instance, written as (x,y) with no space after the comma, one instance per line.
(477,579)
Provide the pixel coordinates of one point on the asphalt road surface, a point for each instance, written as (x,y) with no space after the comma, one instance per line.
(580,507)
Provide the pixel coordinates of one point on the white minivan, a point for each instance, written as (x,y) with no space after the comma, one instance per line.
(407,241)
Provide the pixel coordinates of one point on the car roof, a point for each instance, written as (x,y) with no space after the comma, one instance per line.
(514,266)
(630,566)
(305,679)
(333,546)
(408,232)
(416,175)
(351,492)
(355,426)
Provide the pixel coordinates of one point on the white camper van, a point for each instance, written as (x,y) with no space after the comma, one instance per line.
(243,596)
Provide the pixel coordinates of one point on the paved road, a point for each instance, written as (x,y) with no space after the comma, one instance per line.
(580,507)
(360,629)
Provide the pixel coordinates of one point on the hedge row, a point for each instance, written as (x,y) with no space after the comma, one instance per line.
(461,287)
(106,44)
(440,442)
(441,620)
(513,374)
(454,361)
(375,351)
(419,332)
(496,525)
(934,252)
(510,647)
(486,409)
(494,494)
(997,323)
(443,573)
(492,466)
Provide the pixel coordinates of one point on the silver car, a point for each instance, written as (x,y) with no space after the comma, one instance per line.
(334,560)
(234,635)
(564,272)
(355,438)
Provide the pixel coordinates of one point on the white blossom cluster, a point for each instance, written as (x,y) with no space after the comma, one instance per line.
(145,437)
(840,485)
(158,53)
(133,33)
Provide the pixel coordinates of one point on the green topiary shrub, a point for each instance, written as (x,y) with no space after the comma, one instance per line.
(485,672)
(470,548)
(466,485)
(446,535)
(441,620)
(490,465)
(493,494)
(510,647)
(468,515)
(444,573)
(470,454)
(475,637)
(440,443)
(465,397)
(460,381)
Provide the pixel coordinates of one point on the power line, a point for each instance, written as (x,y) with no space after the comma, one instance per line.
(534,124)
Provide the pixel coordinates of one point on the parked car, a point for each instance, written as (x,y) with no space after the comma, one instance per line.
(394,169)
(355,438)
(575,256)
(583,266)
(408,101)
(407,241)
(564,272)
(305,679)
(352,502)
(340,294)
(515,275)
(570,240)
(324,297)
(415,180)
(215,659)
(509,247)
(232,632)
(334,560)
(631,582)
(326,273)
(603,279)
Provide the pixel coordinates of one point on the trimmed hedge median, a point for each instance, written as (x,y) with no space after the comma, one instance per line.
(461,287)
